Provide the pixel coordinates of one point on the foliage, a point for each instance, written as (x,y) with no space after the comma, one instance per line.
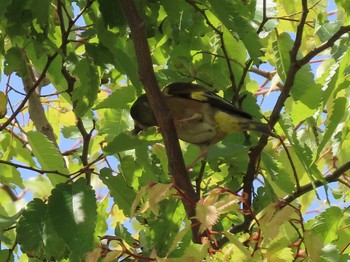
(78,185)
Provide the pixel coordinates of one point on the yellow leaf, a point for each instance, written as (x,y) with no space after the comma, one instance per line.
(3,103)
(206,214)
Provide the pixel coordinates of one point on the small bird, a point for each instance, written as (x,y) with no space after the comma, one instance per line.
(201,117)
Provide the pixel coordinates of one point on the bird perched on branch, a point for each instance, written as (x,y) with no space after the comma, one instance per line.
(201,117)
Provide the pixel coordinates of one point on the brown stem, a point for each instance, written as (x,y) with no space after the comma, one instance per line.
(308,187)
(254,155)
(146,74)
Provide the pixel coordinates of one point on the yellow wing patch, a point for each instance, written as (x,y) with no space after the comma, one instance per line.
(228,123)
(199,95)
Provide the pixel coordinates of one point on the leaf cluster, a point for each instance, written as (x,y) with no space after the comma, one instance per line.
(76,184)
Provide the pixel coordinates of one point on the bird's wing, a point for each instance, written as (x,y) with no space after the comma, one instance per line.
(201,94)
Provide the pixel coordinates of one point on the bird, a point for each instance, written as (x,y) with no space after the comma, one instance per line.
(201,117)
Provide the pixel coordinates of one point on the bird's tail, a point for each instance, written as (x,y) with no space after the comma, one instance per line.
(259,127)
(230,123)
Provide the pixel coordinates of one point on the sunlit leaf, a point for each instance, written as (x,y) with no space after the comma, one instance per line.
(75,204)
(47,155)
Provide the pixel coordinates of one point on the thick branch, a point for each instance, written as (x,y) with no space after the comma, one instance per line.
(256,151)
(146,74)
(29,92)
(35,108)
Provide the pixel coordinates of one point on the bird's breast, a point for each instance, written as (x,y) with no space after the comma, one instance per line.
(194,121)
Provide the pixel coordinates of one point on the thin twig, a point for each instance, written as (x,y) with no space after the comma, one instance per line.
(223,48)
(146,74)
(308,187)
(30,91)
(297,183)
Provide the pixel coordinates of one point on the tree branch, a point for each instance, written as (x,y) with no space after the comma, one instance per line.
(308,187)
(223,48)
(35,108)
(329,43)
(254,155)
(146,74)
(30,91)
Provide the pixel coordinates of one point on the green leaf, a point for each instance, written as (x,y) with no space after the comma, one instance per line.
(47,155)
(302,150)
(19,19)
(326,224)
(278,176)
(330,253)
(119,99)
(72,211)
(123,53)
(165,228)
(30,228)
(336,116)
(344,4)
(9,175)
(40,10)
(14,62)
(111,13)
(7,255)
(39,185)
(86,88)
(128,140)
(122,193)
(35,233)
(236,17)
(5,223)
(281,47)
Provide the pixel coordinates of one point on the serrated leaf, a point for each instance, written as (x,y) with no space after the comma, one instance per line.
(47,155)
(75,204)
(235,16)
(128,140)
(179,236)
(206,215)
(244,253)
(330,253)
(142,191)
(35,233)
(87,86)
(30,228)
(277,175)
(281,47)
(326,224)
(303,151)
(280,255)
(121,192)
(271,218)
(118,99)
(156,193)
(336,116)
